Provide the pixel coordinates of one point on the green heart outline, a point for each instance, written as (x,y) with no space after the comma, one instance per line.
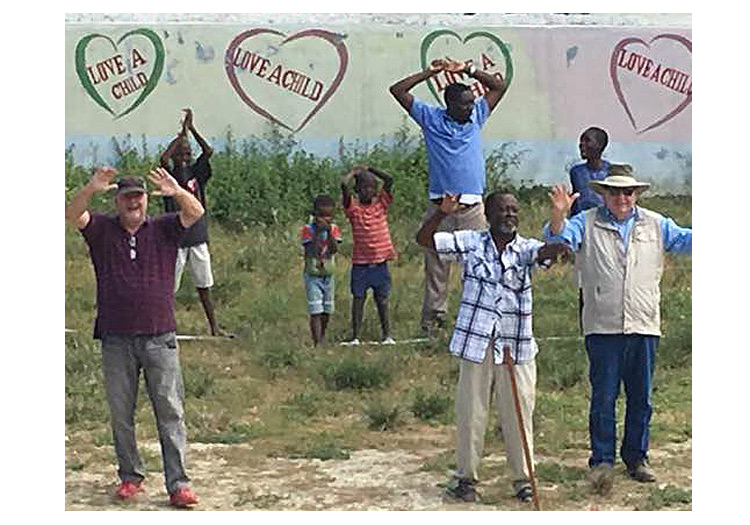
(427,42)
(80,60)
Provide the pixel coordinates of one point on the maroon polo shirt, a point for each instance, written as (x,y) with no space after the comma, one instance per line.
(134,274)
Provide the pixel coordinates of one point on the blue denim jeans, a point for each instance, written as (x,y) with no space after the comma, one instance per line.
(123,358)
(320,292)
(614,359)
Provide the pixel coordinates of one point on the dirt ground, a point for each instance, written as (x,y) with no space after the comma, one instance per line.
(236,477)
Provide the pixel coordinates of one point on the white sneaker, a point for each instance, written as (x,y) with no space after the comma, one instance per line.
(353,342)
(388,341)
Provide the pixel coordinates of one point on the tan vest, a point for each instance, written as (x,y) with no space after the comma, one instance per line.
(621,288)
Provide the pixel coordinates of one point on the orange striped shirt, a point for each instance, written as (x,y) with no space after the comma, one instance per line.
(372,240)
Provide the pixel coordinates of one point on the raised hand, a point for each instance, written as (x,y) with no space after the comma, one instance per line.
(102,180)
(188,121)
(438,64)
(562,201)
(166,184)
(324,223)
(449,204)
(454,66)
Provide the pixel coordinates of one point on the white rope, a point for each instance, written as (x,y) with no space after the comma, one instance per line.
(346,343)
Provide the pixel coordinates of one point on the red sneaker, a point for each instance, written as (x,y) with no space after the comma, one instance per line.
(128,490)
(183,497)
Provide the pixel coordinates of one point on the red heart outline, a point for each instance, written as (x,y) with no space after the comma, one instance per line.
(331,38)
(616,82)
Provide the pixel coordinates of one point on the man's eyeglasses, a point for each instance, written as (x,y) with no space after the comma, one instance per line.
(628,192)
(133,253)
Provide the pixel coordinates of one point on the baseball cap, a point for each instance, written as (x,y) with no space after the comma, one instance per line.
(128,185)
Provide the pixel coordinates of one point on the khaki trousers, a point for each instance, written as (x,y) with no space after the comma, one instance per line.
(436,272)
(476,383)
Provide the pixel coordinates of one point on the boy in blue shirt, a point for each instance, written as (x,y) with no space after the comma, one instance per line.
(591,146)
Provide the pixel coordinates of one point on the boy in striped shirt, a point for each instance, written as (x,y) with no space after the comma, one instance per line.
(368,215)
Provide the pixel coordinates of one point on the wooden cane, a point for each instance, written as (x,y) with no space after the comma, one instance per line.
(509,362)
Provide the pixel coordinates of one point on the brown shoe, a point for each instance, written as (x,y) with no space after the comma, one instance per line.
(641,472)
(601,478)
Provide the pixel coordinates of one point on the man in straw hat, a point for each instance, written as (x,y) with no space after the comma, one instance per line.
(620,249)
(134,261)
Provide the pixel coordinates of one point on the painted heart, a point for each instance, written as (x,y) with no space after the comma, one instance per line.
(295,86)
(87,74)
(432,37)
(643,66)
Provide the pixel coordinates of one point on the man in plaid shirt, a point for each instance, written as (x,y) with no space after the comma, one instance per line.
(495,312)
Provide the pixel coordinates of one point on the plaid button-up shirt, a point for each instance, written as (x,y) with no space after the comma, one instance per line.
(496,299)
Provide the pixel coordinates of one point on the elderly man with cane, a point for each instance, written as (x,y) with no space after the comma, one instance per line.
(495,313)
(620,249)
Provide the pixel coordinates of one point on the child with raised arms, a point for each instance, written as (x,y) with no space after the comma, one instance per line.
(373,248)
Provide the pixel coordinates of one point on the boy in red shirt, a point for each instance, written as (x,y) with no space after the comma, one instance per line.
(368,215)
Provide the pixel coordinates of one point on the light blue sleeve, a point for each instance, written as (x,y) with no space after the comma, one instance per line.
(419,111)
(482,110)
(677,239)
(571,234)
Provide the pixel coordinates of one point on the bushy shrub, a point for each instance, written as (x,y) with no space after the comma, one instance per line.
(199,381)
(427,406)
(269,179)
(353,372)
(383,416)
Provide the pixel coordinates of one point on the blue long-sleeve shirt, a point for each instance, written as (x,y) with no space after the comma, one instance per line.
(580,176)
(676,239)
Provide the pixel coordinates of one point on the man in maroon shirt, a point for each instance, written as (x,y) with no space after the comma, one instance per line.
(134,260)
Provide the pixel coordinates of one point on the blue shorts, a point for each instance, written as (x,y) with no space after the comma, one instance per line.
(319,294)
(375,276)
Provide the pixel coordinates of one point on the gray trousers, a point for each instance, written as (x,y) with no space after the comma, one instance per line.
(436,272)
(123,357)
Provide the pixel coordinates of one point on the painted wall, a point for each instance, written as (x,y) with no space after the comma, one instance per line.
(328,79)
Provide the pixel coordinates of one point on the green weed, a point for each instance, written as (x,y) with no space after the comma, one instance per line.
(237,433)
(281,357)
(103,438)
(353,372)
(306,404)
(199,381)
(323,447)
(667,496)
(383,416)
(556,473)
(443,462)
(75,465)
(428,406)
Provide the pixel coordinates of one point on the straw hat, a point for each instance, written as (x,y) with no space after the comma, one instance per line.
(620,176)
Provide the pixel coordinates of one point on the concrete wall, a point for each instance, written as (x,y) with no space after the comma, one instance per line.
(325,77)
